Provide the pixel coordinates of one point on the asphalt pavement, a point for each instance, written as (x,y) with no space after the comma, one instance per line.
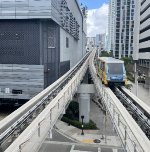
(67,138)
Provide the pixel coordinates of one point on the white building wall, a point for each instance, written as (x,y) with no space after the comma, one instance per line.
(144,31)
(77,48)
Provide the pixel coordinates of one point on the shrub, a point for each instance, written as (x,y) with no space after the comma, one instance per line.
(130,77)
(75,123)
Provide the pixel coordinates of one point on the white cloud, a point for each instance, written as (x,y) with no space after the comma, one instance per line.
(97,20)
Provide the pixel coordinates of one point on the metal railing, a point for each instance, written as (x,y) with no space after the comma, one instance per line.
(38,130)
(133,139)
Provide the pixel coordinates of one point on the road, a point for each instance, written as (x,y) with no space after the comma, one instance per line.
(59,143)
(143,93)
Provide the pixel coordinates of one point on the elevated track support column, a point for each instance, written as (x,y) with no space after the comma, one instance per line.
(84,107)
(84,98)
(147,80)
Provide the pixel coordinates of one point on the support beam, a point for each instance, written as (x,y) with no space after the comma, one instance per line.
(84,92)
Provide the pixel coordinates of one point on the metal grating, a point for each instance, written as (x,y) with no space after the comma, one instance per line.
(68,21)
(19,42)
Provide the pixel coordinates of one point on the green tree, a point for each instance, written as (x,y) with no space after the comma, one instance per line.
(106,54)
(127,60)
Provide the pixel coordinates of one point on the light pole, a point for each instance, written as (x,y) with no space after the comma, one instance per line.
(82,117)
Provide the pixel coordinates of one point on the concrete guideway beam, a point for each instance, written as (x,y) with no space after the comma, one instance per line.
(84,98)
(34,135)
(86,89)
(130,133)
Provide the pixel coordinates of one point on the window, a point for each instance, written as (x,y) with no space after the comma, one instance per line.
(67,42)
(115,68)
(51,37)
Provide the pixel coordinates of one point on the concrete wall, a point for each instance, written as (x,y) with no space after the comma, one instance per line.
(29,79)
(77,47)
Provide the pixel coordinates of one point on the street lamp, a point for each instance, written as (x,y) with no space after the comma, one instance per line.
(82,117)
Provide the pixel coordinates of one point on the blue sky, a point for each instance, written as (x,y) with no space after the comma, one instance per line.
(93,4)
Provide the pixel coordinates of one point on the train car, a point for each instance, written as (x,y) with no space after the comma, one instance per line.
(111,71)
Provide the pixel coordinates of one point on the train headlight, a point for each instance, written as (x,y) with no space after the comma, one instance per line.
(124,76)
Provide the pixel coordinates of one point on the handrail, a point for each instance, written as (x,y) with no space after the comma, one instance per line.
(25,109)
(48,117)
(132,136)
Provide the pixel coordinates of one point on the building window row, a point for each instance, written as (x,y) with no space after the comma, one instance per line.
(142,50)
(144,40)
(145,9)
(143,2)
(145,19)
(145,29)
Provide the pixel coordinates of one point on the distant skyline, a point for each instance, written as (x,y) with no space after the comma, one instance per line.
(93,4)
(97,19)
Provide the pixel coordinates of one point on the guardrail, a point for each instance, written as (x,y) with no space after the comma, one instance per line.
(132,136)
(37,131)
(11,122)
(138,112)
(139,103)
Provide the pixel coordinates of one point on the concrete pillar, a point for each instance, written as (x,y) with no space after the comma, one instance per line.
(84,107)
(1,149)
(147,79)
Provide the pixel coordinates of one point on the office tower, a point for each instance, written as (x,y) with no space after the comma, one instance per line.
(122,25)
(111,22)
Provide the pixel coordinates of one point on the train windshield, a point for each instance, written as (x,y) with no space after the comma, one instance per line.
(115,68)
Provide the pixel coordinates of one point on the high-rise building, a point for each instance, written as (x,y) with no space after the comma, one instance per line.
(91,42)
(100,41)
(111,22)
(142,38)
(121,27)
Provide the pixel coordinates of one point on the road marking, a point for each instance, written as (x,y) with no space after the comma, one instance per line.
(72,148)
(87,141)
(99,149)
(82,144)
(115,150)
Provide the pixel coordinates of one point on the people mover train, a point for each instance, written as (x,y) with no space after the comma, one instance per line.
(111,71)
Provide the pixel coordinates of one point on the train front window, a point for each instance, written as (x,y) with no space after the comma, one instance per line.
(115,68)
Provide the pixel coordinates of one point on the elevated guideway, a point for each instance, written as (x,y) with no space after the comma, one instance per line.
(133,138)
(137,108)
(137,102)
(33,136)
(54,101)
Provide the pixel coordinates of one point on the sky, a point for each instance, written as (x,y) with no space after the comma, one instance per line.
(97,20)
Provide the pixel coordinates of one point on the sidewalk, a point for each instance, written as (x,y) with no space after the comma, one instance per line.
(88,137)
